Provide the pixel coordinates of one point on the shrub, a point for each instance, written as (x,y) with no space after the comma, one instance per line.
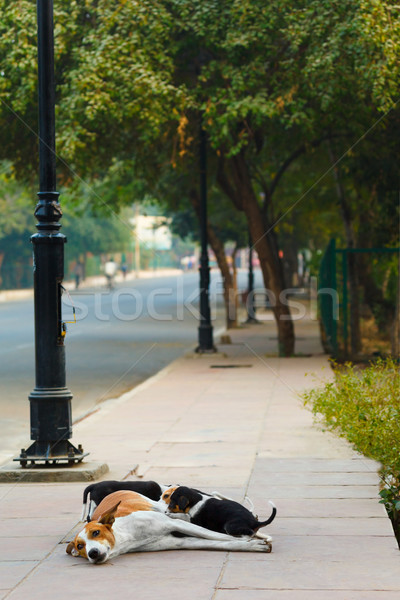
(364,406)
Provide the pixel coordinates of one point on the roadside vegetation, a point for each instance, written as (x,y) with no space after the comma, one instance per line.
(363,405)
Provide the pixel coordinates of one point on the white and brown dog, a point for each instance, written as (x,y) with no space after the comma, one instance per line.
(126,521)
(96,492)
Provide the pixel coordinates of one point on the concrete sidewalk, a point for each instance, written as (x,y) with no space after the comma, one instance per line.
(233,423)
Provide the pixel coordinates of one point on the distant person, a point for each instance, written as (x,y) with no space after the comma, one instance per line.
(124,268)
(78,272)
(110,269)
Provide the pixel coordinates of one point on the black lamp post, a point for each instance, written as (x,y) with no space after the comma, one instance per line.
(50,401)
(206,344)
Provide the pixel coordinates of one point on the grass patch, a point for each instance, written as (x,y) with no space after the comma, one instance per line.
(364,407)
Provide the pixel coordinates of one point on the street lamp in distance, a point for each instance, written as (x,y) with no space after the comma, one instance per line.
(205,330)
(250,301)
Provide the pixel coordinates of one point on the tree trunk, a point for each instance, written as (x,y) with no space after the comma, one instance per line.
(219,251)
(229,288)
(279,302)
(235,287)
(355,333)
(241,191)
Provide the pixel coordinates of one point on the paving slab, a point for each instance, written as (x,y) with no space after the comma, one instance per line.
(183,454)
(29,548)
(146,576)
(322,478)
(330,507)
(303,442)
(36,527)
(200,477)
(312,491)
(191,432)
(283,573)
(329,526)
(323,548)
(317,465)
(14,571)
(38,501)
(234,594)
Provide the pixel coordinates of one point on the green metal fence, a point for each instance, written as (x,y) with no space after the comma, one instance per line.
(333,298)
(328,299)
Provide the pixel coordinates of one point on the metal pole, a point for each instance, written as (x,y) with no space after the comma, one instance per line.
(206,344)
(335,305)
(250,302)
(50,401)
(137,242)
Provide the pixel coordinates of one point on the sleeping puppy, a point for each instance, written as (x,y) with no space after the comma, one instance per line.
(224,516)
(98,491)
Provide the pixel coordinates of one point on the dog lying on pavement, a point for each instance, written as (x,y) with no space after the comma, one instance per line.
(98,491)
(126,521)
(214,513)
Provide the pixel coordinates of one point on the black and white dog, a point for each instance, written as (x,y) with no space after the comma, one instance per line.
(222,515)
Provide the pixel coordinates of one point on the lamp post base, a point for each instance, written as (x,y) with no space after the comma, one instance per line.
(51,453)
(206,345)
(252,321)
(201,350)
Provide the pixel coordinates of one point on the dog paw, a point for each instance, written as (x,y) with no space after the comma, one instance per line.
(264,536)
(268,546)
(261,545)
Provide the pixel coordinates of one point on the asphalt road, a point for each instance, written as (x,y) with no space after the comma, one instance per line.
(120,339)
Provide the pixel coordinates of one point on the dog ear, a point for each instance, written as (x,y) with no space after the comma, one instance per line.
(183,503)
(109,517)
(168,493)
(70,549)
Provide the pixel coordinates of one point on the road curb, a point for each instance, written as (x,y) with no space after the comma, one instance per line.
(97,281)
(13,473)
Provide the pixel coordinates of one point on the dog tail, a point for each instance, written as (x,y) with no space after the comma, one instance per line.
(250,503)
(271,518)
(86,493)
(83,515)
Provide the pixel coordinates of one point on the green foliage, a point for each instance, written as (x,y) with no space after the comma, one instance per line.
(86,231)
(89,233)
(364,407)
(113,81)
(390,495)
(117,91)
(129,74)
(16,205)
